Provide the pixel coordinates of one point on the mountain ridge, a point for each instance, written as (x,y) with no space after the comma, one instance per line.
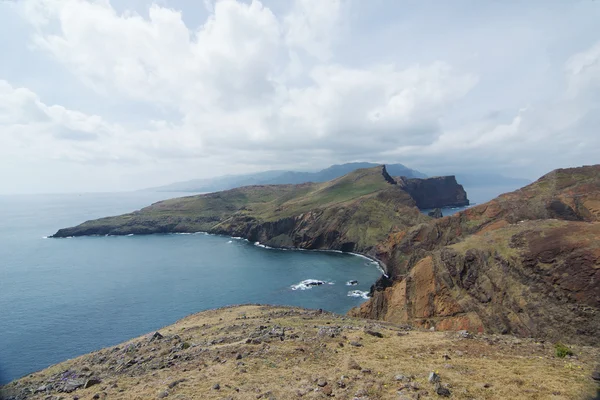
(277,177)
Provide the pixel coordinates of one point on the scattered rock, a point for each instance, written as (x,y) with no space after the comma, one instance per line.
(352,282)
(433,377)
(446,357)
(327,390)
(163,394)
(175,383)
(356,344)
(441,390)
(41,389)
(374,333)
(321,383)
(91,382)
(464,334)
(156,336)
(72,385)
(216,386)
(352,364)
(596,374)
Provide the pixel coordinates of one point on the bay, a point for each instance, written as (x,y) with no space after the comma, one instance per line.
(60,298)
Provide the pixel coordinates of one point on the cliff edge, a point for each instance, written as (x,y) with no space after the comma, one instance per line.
(527,262)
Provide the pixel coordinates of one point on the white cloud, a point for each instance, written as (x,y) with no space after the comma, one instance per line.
(312,26)
(257,87)
(230,83)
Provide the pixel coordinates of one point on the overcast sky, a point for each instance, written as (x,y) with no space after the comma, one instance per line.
(120,95)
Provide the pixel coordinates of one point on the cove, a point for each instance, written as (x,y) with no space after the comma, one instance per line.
(63,298)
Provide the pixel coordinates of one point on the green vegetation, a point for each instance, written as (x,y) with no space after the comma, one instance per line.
(360,208)
(562,351)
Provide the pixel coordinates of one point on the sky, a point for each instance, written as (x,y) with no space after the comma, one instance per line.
(99,95)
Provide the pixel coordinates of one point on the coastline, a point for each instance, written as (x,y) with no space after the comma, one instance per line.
(381,266)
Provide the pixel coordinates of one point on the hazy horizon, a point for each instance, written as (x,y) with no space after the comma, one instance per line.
(107,96)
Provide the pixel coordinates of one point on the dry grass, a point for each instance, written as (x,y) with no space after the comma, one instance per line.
(292,368)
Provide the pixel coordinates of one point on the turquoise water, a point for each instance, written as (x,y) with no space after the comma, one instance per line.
(60,298)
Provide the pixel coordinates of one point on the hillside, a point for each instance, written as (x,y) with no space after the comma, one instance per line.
(279,178)
(350,213)
(265,352)
(527,263)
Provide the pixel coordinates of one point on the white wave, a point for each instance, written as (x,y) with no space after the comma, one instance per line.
(262,245)
(231,241)
(358,293)
(131,234)
(44,237)
(308,284)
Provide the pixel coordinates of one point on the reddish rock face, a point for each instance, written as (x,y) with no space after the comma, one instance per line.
(527,263)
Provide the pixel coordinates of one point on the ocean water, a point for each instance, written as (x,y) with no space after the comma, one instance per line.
(60,298)
(478,195)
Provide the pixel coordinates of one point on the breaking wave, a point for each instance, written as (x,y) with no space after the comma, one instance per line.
(309,284)
(358,293)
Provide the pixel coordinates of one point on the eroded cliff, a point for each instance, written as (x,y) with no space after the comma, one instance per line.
(527,262)
(440,191)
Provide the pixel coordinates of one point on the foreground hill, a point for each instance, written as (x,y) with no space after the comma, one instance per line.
(351,213)
(262,352)
(527,263)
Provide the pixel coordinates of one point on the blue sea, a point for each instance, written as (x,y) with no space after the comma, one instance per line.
(60,298)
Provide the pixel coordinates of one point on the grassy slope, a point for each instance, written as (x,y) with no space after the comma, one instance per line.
(212,348)
(362,195)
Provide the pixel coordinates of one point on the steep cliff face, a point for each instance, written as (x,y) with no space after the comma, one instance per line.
(527,262)
(357,225)
(441,191)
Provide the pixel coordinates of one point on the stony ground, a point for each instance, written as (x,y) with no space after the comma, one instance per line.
(260,352)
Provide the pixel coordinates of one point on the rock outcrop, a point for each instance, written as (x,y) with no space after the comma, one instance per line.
(527,263)
(437,192)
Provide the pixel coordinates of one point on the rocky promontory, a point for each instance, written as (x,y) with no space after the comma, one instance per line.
(351,213)
(436,192)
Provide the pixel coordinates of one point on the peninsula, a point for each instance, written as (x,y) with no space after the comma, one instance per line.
(352,213)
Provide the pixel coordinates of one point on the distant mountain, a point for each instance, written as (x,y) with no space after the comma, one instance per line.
(279,177)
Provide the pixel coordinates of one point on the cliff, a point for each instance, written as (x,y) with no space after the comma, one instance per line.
(263,352)
(437,192)
(350,213)
(527,263)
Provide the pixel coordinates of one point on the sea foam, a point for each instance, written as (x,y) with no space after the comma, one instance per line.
(358,293)
(309,284)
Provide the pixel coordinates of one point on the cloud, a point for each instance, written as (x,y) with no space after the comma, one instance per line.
(230,79)
(256,86)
